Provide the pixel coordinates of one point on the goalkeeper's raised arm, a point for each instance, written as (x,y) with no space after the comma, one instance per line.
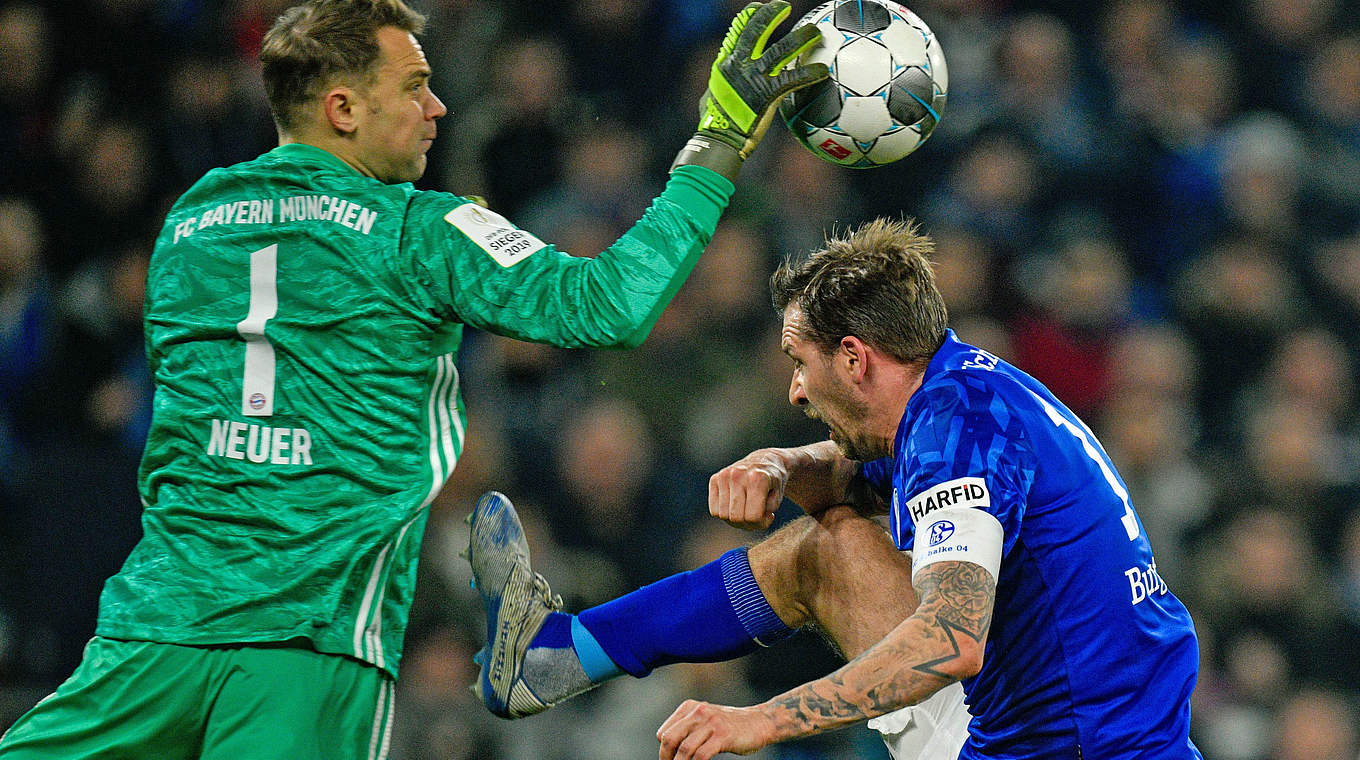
(614,299)
(745,85)
(496,277)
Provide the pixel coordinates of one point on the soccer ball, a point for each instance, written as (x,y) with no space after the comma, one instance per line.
(887,87)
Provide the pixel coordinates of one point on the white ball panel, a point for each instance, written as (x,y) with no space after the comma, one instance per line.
(939,71)
(906,42)
(865,118)
(825,51)
(893,146)
(863,66)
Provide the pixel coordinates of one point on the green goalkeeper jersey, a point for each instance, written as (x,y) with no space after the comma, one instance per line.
(302,323)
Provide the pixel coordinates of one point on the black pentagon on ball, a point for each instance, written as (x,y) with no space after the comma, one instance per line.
(861,17)
(910,95)
(818,105)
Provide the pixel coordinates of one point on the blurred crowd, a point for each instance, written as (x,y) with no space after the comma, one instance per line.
(1151,205)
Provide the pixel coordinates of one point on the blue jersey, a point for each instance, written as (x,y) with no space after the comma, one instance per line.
(1089,655)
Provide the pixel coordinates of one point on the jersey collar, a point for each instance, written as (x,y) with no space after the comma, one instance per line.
(303,153)
(951,347)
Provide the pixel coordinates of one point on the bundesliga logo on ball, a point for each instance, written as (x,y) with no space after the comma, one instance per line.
(887,88)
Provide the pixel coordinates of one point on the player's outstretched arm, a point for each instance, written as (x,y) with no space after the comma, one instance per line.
(816,477)
(940,643)
(745,85)
(505,286)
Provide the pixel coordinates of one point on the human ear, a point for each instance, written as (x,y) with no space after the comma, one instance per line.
(341,109)
(851,355)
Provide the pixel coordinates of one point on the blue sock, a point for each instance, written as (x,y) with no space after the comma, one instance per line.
(713,613)
(555,633)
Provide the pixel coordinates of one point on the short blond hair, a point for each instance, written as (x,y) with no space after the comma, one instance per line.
(875,283)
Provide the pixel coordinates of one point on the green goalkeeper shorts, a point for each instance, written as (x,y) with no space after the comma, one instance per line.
(138,700)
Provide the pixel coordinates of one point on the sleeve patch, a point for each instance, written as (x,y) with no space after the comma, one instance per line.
(493,233)
(960,492)
(959,535)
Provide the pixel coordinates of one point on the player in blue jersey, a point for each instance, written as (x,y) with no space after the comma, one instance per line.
(1030,579)
(304,312)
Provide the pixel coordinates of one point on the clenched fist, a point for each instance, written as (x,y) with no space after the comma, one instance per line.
(747,492)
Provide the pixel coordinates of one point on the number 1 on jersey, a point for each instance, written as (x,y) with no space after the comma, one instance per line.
(1097,455)
(257,388)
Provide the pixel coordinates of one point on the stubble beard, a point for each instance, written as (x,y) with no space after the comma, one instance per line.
(856,448)
(859,451)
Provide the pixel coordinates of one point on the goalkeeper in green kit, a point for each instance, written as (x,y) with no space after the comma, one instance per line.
(303,315)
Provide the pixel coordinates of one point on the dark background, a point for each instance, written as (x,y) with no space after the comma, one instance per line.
(1150,205)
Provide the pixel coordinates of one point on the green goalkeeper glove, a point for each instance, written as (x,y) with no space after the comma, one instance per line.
(745,85)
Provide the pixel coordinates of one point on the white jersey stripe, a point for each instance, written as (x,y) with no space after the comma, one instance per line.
(367,647)
(1092,450)
(375,628)
(438,412)
(437,473)
(360,624)
(386,744)
(368,644)
(456,409)
(373,633)
(445,425)
(378,738)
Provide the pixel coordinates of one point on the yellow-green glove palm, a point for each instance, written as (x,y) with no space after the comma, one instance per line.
(745,85)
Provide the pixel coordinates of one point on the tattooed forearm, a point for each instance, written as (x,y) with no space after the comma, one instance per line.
(941,643)
(957,600)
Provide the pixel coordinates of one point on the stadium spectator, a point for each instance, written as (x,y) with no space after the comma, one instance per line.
(1079,299)
(1317,724)
(1329,115)
(213,116)
(27,320)
(1042,99)
(28,109)
(1173,207)
(1261,172)
(1334,276)
(1235,301)
(994,189)
(604,179)
(526,112)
